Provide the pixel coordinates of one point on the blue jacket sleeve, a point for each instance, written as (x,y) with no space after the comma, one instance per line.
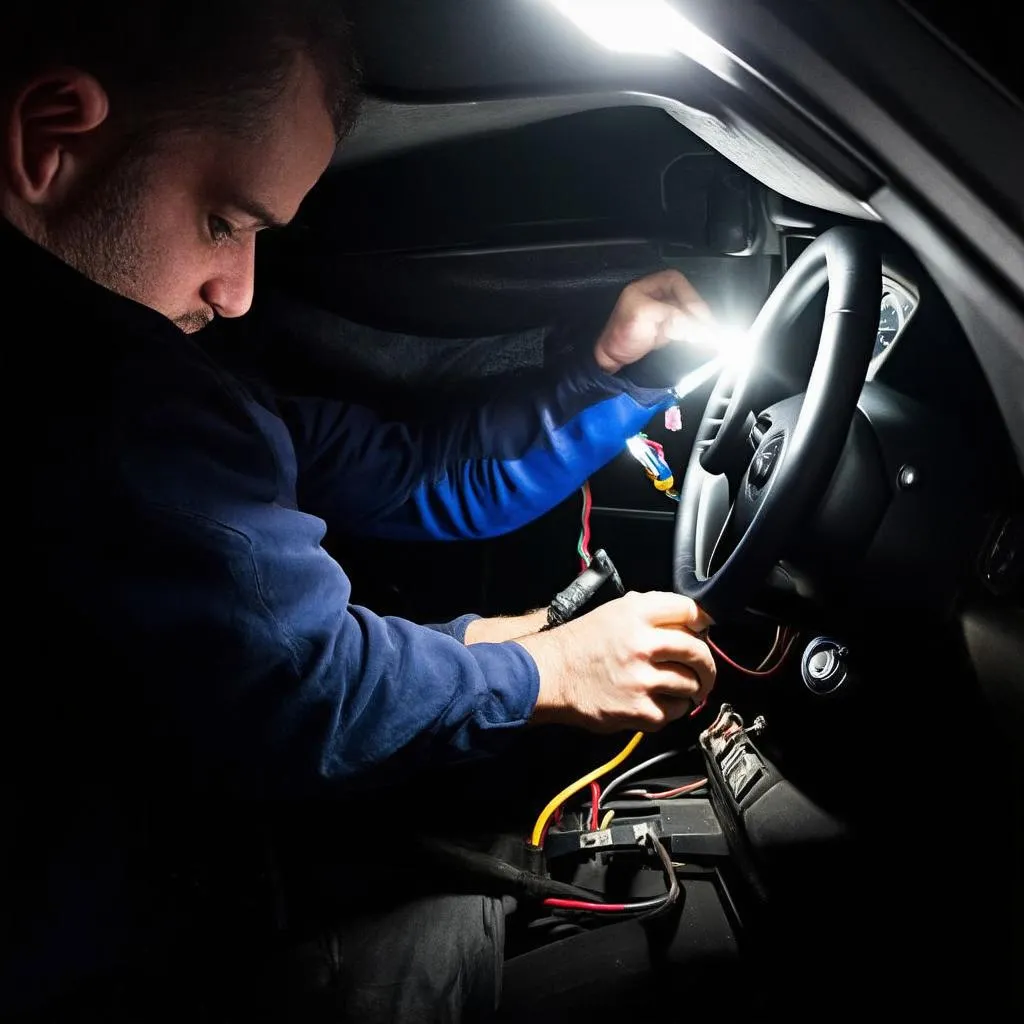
(288,688)
(480,468)
(456,628)
(216,597)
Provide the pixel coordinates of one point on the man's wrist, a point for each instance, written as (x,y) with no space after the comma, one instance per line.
(554,670)
(501,629)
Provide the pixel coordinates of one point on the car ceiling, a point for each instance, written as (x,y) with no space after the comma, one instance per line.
(451,68)
(448,49)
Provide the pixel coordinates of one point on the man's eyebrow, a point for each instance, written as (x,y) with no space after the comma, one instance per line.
(259,213)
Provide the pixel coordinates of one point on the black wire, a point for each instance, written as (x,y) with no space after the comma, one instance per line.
(670,874)
(505,877)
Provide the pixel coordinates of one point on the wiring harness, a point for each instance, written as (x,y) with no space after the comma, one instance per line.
(599,816)
(646,908)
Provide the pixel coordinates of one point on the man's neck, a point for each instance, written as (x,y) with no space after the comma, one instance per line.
(23,220)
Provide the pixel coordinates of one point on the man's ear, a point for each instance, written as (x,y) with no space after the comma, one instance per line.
(48,122)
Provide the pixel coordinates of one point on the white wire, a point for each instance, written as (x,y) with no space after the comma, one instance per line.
(614,784)
(771,654)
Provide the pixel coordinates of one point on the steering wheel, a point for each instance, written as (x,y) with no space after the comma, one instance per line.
(760,465)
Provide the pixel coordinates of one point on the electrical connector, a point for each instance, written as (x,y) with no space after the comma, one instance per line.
(568,603)
(651,457)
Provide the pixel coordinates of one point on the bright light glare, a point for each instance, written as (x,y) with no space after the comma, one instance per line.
(695,378)
(734,350)
(630,27)
(639,26)
(639,450)
(636,446)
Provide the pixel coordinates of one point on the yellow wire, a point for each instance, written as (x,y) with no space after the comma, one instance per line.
(607,820)
(538,830)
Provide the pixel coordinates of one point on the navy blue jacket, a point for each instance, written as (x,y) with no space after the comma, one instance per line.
(185,624)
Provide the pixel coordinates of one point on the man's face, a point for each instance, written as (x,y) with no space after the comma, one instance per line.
(175,229)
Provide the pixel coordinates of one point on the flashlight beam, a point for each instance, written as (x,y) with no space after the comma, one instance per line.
(696,378)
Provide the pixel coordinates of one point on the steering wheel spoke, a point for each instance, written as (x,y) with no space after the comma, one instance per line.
(714,513)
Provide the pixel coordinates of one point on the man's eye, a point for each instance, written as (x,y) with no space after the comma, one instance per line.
(220,229)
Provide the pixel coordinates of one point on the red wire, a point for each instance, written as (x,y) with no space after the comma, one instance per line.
(588,504)
(749,671)
(669,793)
(595,811)
(555,901)
(659,448)
(555,819)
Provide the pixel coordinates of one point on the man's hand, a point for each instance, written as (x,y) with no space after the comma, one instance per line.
(634,663)
(650,313)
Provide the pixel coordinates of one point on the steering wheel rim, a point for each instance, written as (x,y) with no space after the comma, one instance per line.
(791,449)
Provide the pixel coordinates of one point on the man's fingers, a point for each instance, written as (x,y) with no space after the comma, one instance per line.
(671,286)
(673,323)
(674,680)
(685,662)
(689,329)
(677,707)
(664,608)
(651,714)
(663,708)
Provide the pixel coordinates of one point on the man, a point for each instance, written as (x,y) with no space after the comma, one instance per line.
(194,649)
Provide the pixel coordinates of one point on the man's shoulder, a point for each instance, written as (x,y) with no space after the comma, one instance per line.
(151,419)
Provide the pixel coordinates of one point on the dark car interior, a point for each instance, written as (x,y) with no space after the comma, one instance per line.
(853,848)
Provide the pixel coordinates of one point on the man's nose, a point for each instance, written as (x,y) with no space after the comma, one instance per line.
(229,289)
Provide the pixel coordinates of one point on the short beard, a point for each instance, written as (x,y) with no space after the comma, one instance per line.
(100,233)
(192,322)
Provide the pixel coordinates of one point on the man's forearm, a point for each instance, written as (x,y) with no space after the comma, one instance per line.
(498,630)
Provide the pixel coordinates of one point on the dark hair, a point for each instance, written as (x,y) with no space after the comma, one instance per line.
(187,63)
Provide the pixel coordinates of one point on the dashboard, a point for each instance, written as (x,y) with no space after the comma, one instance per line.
(899,303)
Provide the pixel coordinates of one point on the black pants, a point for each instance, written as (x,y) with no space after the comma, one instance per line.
(431,959)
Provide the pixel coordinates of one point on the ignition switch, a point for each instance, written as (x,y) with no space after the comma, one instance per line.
(824,665)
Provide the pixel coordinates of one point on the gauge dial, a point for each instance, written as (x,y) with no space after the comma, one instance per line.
(890,322)
(898,305)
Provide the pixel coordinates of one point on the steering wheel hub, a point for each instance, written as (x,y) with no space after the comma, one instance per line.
(763,463)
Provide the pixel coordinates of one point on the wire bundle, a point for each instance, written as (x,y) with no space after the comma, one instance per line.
(669,794)
(648,908)
(643,766)
(772,661)
(540,826)
(651,456)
